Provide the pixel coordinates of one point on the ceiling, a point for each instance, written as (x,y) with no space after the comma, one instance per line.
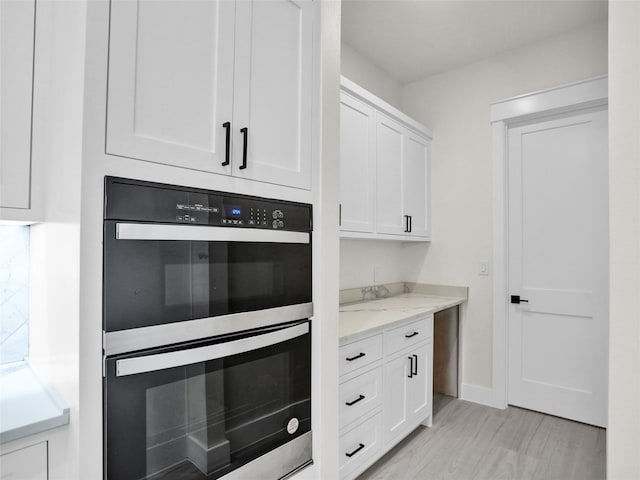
(413,39)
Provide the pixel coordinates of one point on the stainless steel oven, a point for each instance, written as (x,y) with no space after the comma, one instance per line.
(206,307)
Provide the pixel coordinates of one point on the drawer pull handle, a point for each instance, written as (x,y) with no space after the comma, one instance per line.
(355,451)
(412,335)
(360,355)
(361,397)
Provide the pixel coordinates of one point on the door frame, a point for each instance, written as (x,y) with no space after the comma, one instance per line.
(572,97)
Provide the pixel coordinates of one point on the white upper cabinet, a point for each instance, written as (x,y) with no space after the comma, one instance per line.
(171,81)
(357,164)
(385,170)
(273,91)
(191,81)
(17,28)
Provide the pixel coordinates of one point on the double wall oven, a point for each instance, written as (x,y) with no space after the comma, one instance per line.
(207,334)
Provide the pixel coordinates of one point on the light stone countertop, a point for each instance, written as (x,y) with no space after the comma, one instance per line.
(28,404)
(372,315)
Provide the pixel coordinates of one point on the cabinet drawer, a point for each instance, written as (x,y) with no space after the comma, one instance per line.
(28,463)
(360,395)
(408,335)
(359,445)
(360,353)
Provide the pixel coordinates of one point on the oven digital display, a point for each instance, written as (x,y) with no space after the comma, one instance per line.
(233,211)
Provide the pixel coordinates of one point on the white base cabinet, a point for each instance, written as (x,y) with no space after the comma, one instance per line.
(29,463)
(408,391)
(386,390)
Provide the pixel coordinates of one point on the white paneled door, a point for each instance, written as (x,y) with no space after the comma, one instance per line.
(558,266)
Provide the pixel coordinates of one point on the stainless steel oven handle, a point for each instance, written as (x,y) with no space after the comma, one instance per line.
(179,358)
(203,233)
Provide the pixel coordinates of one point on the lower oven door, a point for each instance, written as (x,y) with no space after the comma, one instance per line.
(233,407)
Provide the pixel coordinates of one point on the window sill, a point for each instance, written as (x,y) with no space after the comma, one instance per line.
(28,405)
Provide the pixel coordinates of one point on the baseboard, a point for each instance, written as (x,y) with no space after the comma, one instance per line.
(477,394)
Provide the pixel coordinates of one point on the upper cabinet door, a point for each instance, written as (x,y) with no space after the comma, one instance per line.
(171,81)
(357,164)
(416,184)
(273,96)
(389,152)
(17,26)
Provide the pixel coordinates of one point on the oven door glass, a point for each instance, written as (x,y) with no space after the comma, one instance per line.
(154,282)
(174,413)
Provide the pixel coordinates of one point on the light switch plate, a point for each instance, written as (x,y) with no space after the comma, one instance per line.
(483,268)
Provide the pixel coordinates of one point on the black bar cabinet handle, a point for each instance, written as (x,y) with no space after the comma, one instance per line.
(360,355)
(406,221)
(410,367)
(410,223)
(245,132)
(416,365)
(360,398)
(355,451)
(227,126)
(339,214)
(412,335)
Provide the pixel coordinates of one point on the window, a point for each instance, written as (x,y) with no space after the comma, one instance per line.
(14,293)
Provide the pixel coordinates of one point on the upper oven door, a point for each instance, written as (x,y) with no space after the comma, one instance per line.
(157,274)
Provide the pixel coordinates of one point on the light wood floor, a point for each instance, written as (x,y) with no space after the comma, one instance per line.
(474,442)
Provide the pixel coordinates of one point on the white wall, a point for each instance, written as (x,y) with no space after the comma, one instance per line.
(361,70)
(358,258)
(623,434)
(455,105)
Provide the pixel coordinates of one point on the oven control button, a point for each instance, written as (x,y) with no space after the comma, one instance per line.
(280,223)
(275,224)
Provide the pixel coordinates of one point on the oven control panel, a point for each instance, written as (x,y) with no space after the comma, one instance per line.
(137,200)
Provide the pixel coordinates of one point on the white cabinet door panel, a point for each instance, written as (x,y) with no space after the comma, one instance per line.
(17,27)
(171,81)
(29,463)
(416,184)
(421,383)
(396,387)
(357,164)
(389,152)
(273,79)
